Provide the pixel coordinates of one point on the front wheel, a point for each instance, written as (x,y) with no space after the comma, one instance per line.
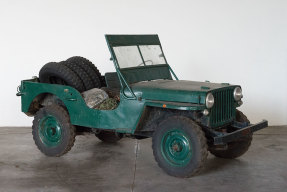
(52,131)
(179,146)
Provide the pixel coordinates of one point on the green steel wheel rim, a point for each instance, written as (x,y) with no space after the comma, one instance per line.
(176,148)
(50,131)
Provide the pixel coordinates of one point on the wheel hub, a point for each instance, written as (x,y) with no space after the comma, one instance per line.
(176,148)
(50,131)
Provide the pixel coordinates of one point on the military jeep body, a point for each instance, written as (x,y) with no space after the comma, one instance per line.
(185,119)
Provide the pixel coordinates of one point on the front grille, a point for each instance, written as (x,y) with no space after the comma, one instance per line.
(223,110)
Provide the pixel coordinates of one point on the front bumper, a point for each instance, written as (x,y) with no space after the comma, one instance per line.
(224,138)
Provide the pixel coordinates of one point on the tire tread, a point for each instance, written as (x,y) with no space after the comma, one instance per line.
(203,148)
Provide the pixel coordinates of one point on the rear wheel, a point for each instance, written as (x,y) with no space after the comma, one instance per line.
(179,146)
(236,148)
(52,131)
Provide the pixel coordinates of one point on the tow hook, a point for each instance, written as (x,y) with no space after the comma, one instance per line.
(19,93)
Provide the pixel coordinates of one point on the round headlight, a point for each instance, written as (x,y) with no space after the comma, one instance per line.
(237,93)
(209,101)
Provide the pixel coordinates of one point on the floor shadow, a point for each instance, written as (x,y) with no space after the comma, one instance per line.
(89,164)
(213,164)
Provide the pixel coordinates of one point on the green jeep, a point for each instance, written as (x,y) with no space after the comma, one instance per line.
(185,119)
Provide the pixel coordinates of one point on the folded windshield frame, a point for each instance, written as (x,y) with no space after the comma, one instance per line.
(133,40)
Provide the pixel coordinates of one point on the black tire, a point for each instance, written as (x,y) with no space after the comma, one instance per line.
(240,117)
(52,131)
(56,73)
(89,68)
(109,137)
(236,148)
(85,78)
(188,141)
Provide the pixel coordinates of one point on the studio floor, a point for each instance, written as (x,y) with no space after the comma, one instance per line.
(129,165)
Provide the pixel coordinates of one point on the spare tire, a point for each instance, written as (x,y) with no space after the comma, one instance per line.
(56,73)
(91,70)
(85,78)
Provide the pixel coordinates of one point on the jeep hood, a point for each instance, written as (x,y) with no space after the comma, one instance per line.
(175,90)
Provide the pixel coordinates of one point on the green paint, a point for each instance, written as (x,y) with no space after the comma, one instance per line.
(176,148)
(224,108)
(204,87)
(127,40)
(50,131)
(174,90)
(146,73)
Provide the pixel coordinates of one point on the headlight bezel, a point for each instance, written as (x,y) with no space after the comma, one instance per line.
(209,100)
(237,94)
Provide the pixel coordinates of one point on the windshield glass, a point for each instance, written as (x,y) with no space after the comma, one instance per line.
(152,54)
(136,56)
(128,56)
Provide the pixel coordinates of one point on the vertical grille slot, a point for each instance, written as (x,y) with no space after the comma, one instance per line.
(223,110)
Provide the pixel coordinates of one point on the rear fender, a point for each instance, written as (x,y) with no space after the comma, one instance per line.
(43,99)
(33,94)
